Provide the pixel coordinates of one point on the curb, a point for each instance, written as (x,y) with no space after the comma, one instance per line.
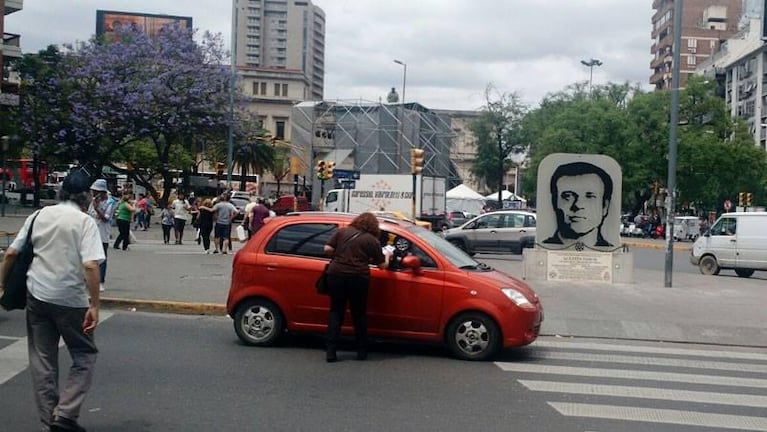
(185,308)
(659,246)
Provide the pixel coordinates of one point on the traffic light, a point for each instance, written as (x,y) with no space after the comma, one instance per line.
(741,199)
(416,160)
(329,167)
(749,199)
(320,169)
(220,168)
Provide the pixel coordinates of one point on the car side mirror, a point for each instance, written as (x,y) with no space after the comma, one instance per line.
(411,262)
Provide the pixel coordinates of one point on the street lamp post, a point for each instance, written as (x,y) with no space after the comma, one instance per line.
(5,140)
(591,63)
(404,78)
(232,87)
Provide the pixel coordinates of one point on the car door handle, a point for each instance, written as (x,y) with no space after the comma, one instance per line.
(733,241)
(493,232)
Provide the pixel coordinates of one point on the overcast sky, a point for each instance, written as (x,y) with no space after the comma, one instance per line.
(453,48)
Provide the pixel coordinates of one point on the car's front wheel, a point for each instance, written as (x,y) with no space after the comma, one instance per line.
(473,336)
(744,273)
(258,322)
(708,266)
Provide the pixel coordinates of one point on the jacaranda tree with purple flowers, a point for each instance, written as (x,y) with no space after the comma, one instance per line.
(150,102)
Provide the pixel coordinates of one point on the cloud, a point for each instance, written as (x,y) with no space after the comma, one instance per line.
(453,48)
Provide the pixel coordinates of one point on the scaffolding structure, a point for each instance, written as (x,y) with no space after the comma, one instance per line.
(373,138)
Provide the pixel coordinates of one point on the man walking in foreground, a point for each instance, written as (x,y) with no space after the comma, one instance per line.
(63,275)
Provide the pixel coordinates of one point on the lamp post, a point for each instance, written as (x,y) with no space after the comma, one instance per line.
(404,77)
(672,146)
(232,87)
(5,140)
(591,63)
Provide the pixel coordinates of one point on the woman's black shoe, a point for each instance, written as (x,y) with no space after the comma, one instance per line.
(331,357)
(362,355)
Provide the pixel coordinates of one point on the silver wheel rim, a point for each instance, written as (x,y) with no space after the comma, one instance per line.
(472,337)
(258,323)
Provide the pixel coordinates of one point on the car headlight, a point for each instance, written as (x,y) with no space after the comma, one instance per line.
(518,298)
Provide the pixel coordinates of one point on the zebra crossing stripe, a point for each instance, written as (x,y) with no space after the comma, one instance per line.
(744,400)
(685,418)
(634,374)
(14,360)
(650,361)
(652,350)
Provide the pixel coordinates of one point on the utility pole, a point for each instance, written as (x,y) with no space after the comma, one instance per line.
(672,145)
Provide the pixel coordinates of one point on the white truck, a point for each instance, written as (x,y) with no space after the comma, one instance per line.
(392,192)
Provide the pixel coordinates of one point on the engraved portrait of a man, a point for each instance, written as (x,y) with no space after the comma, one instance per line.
(580,195)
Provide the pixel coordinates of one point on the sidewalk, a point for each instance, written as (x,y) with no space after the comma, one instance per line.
(698,309)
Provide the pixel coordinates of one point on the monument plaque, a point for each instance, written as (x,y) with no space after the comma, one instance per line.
(579,266)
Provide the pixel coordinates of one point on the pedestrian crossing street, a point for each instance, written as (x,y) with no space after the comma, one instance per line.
(14,357)
(669,385)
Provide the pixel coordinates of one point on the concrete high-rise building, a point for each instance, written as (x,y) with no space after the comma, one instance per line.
(10,51)
(705,25)
(282,35)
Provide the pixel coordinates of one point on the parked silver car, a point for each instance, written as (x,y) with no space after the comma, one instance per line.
(496,232)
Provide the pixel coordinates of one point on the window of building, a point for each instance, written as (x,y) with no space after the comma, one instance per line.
(285,90)
(276,89)
(691,60)
(255,87)
(261,121)
(692,43)
(263,88)
(279,126)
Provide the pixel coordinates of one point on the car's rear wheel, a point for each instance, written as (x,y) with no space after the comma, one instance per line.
(258,322)
(708,266)
(473,336)
(744,273)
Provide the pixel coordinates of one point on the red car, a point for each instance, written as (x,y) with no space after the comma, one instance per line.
(433,292)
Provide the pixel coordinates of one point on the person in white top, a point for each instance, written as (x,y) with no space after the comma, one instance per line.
(63,300)
(102,209)
(180,215)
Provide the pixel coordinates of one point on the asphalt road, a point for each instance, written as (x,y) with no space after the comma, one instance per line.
(161,372)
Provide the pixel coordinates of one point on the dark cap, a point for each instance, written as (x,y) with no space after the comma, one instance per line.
(76,182)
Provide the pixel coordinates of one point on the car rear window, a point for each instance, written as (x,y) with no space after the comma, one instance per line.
(306,239)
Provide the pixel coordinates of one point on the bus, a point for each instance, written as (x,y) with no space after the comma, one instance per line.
(19,175)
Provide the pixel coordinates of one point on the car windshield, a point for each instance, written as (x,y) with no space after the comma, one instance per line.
(456,256)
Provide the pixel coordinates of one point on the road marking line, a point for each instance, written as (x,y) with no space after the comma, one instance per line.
(14,357)
(634,374)
(647,393)
(651,361)
(9,338)
(651,350)
(686,418)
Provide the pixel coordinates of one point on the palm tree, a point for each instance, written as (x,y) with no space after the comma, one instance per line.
(255,154)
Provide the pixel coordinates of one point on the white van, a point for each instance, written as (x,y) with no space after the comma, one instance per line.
(735,241)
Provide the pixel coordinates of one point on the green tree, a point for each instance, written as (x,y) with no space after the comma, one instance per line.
(498,134)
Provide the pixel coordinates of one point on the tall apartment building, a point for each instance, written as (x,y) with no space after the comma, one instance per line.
(705,25)
(9,51)
(740,69)
(283,35)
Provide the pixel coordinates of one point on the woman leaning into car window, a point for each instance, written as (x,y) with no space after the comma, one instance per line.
(353,249)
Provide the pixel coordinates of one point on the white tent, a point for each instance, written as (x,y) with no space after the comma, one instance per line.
(506,196)
(463,198)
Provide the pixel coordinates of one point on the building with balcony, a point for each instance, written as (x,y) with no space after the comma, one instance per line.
(282,35)
(706,24)
(10,51)
(740,69)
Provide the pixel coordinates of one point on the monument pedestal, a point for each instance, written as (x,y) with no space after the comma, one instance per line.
(580,266)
